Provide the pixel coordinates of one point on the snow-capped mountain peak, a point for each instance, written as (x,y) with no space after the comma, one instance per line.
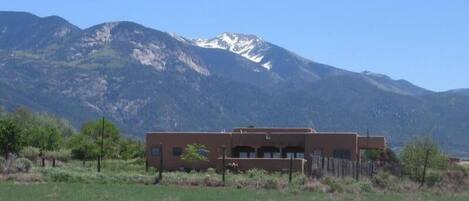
(248,46)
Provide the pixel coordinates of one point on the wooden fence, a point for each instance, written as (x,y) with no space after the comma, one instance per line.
(336,167)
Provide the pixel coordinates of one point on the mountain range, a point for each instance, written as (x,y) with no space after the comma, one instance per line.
(148,80)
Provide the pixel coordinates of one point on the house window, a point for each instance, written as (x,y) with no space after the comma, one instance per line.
(295,155)
(244,154)
(272,155)
(342,153)
(203,152)
(300,155)
(276,155)
(247,154)
(155,151)
(317,152)
(177,151)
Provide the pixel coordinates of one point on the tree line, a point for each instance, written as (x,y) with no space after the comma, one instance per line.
(43,136)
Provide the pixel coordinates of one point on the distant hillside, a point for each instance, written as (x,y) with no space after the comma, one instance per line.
(148,80)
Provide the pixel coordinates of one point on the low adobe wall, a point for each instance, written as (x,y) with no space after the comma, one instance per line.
(269,164)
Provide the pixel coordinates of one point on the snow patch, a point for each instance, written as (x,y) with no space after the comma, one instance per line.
(248,46)
(372,74)
(267,65)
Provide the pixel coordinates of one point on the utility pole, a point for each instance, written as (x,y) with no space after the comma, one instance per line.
(100,158)
(290,170)
(223,164)
(424,168)
(160,171)
(357,167)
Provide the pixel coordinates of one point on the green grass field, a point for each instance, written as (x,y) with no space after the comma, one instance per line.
(98,192)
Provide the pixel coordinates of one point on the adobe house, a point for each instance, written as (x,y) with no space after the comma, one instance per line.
(261,148)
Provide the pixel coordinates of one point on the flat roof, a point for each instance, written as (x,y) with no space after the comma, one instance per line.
(275,129)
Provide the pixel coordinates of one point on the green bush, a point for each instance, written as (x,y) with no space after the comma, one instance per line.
(211,171)
(334,186)
(68,175)
(256,173)
(64,154)
(270,183)
(51,155)
(382,179)
(415,152)
(461,168)
(23,165)
(3,164)
(432,178)
(366,187)
(31,153)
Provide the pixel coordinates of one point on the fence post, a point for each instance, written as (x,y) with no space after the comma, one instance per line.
(342,167)
(223,164)
(290,172)
(357,172)
(424,168)
(322,165)
(327,166)
(160,169)
(146,165)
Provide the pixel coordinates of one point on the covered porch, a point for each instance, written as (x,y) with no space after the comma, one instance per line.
(266,152)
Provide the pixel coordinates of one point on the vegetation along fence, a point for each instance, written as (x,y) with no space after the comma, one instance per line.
(336,167)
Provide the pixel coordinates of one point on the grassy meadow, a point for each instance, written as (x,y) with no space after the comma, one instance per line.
(126,192)
(128,180)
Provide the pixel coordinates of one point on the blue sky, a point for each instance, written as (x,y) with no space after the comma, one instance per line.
(425,42)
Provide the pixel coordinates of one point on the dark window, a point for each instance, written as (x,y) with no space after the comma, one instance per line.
(317,152)
(177,151)
(155,151)
(247,154)
(203,152)
(342,153)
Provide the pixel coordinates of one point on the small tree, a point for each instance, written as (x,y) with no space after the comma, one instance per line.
(130,149)
(372,154)
(414,154)
(194,153)
(31,153)
(47,139)
(111,136)
(83,148)
(11,137)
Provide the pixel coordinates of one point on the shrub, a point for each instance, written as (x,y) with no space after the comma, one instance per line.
(461,168)
(334,186)
(256,173)
(3,164)
(31,153)
(195,153)
(23,165)
(211,171)
(432,178)
(313,186)
(382,179)
(366,187)
(64,155)
(270,183)
(415,152)
(51,155)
